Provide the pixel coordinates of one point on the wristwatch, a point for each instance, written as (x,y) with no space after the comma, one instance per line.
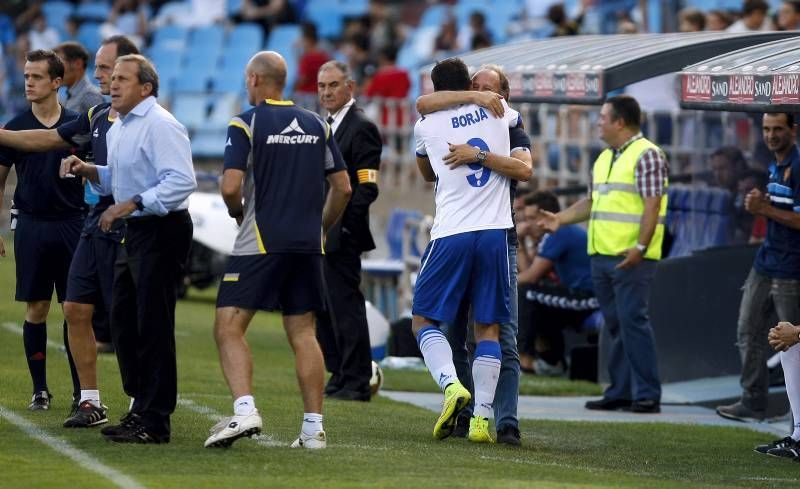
(137,200)
(481,156)
(641,247)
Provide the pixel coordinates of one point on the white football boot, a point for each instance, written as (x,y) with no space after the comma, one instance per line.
(227,431)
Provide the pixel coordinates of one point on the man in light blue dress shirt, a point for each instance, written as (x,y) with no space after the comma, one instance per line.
(150,175)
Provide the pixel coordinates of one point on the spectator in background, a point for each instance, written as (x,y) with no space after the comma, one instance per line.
(563,25)
(356,50)
(382,27)
(481,41)
(71,26)
(691,20)
(476,31)
(447,39)
(753,229)
(266,12)
(754,17)
(41,36)
(552,305)
(718,20)
(727,165)
(310,61)
(390,82)
(789,15)
(626,25)
(773,285)
(127,18)
(81,93)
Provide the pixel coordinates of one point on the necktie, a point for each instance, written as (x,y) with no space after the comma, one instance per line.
(330,119)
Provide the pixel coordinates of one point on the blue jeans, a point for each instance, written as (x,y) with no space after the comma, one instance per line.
(506,396)
(623,296)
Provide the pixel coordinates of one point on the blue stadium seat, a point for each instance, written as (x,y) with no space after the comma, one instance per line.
(89,35)
(197,59)
(171,37)
(233,7)
(208,143)
(434,16)
(236,59)
(418,48)
(227,81)
(56,13)
(283,38)
(190,109)
(354,8)
(247,37)
(162,56)
(327,17)
(208,37)
(700,199)
(190,81)
(96,11)
(394,232)
(720,219)
(223,108)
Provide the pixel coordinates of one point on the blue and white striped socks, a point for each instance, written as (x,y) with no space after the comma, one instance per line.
(437,355)
(485,371)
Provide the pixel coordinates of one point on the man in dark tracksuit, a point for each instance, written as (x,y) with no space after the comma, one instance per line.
(343,332)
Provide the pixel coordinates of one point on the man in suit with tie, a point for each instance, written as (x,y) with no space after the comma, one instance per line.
(342,331)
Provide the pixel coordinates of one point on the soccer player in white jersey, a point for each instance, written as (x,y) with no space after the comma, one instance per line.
(467,256)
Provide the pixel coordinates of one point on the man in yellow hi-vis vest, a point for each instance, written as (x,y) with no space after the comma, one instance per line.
(626,213)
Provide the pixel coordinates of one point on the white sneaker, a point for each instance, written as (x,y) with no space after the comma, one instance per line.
(315,441)
(227,431)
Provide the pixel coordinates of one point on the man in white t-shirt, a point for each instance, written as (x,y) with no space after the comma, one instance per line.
(467,257)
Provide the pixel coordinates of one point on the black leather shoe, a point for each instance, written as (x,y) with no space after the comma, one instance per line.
(605,404)
(138,433)
(348,395)
(646,406)
(128,421)
(509,435)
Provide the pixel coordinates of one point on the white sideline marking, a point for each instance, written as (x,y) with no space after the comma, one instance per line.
(17,329)
(64,448)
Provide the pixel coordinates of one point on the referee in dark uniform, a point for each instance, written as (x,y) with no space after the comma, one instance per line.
(51,212)
(342,331)
(151,176)
(87,305)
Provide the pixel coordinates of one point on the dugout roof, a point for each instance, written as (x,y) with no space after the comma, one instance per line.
(583,69)
(761,78)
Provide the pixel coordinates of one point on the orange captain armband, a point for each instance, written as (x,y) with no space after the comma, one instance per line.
(368,176)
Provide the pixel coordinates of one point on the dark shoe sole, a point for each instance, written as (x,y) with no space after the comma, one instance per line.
(227,442)
(67,424)
(449,425)
(741,419)
(136,441)
(510,441)
(645,411)
(620,405)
